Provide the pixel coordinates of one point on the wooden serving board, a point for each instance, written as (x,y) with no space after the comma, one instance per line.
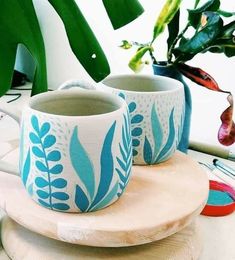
(21,243)
(159,201)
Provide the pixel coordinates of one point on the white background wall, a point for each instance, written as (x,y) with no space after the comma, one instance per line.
(62,64)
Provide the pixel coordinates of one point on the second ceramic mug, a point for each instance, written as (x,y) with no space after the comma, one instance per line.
(156,105)
(71,149)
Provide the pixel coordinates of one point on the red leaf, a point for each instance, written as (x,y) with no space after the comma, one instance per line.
(226,134)
(199,76)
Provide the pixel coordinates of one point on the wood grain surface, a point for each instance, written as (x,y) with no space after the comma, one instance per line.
(159,201)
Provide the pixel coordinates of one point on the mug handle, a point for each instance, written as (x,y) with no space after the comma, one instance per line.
(16,115)
(83,84)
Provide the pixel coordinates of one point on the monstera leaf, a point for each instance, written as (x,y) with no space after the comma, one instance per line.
(121,12)
(19,24)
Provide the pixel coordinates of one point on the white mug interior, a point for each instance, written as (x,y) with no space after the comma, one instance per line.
(75,103)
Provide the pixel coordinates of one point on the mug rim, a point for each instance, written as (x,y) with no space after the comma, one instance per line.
(49,95)
(144,76)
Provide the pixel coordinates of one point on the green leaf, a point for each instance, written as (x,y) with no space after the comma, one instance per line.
(122,12)
(173,29)
(194,15)
(201,39)
(225,13)
(82,40)
(19,24)
(125,45)
(136,63)
(224,46)
(167,13)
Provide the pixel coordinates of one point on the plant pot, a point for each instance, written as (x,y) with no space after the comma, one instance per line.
(169,70)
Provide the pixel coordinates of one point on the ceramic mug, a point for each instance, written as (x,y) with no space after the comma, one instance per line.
(75,149)
(156,106)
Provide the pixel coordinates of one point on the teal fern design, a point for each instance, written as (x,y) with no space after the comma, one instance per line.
(47,164)
(161,151)
(125,162)
(86,198)
(136,119)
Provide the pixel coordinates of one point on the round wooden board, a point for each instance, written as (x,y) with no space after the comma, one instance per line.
(159,201)
(21,243)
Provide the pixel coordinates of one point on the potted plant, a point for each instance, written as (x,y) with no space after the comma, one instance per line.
(211,33)
(19,24)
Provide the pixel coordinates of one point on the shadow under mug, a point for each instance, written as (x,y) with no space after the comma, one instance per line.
(72,146)
(156,106)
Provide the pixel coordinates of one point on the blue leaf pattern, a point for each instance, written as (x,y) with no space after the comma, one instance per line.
(148,154)
(125,162)
(105,193)
(163,155)
(82,166)
(26,169)
(81,199)
(160,151)
(45,186)
(106,163)
(107,199)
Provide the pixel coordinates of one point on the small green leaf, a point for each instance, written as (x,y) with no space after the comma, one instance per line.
(125,45)
(136,63)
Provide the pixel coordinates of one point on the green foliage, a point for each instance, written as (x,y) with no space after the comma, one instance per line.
(19,24)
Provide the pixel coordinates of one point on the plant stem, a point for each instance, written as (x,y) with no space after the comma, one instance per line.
(169,54)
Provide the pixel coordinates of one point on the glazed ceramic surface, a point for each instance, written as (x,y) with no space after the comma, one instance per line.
(156,105)
(75,149)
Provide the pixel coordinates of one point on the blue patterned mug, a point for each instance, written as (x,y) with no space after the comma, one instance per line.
(75,149)
(156,106)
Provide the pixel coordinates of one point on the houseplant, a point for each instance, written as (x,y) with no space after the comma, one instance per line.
(211,33)
(19,24)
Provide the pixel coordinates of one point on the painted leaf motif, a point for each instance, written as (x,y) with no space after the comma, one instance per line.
(82,163)
(137,119)
(54,156)
(125,160)
(135,142)
(132,107)
(35,125)
(59,183)
(42,194)
(137,131)
(49,141)
(38,152)
(34,138)
(148,154)
(60,206)
(26,168)
(81,199)
(41,166)
(60,195)
(170,141)
(41,183)
(108,198)
(57,169)
(44,129)
(106,163)
(157,132)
